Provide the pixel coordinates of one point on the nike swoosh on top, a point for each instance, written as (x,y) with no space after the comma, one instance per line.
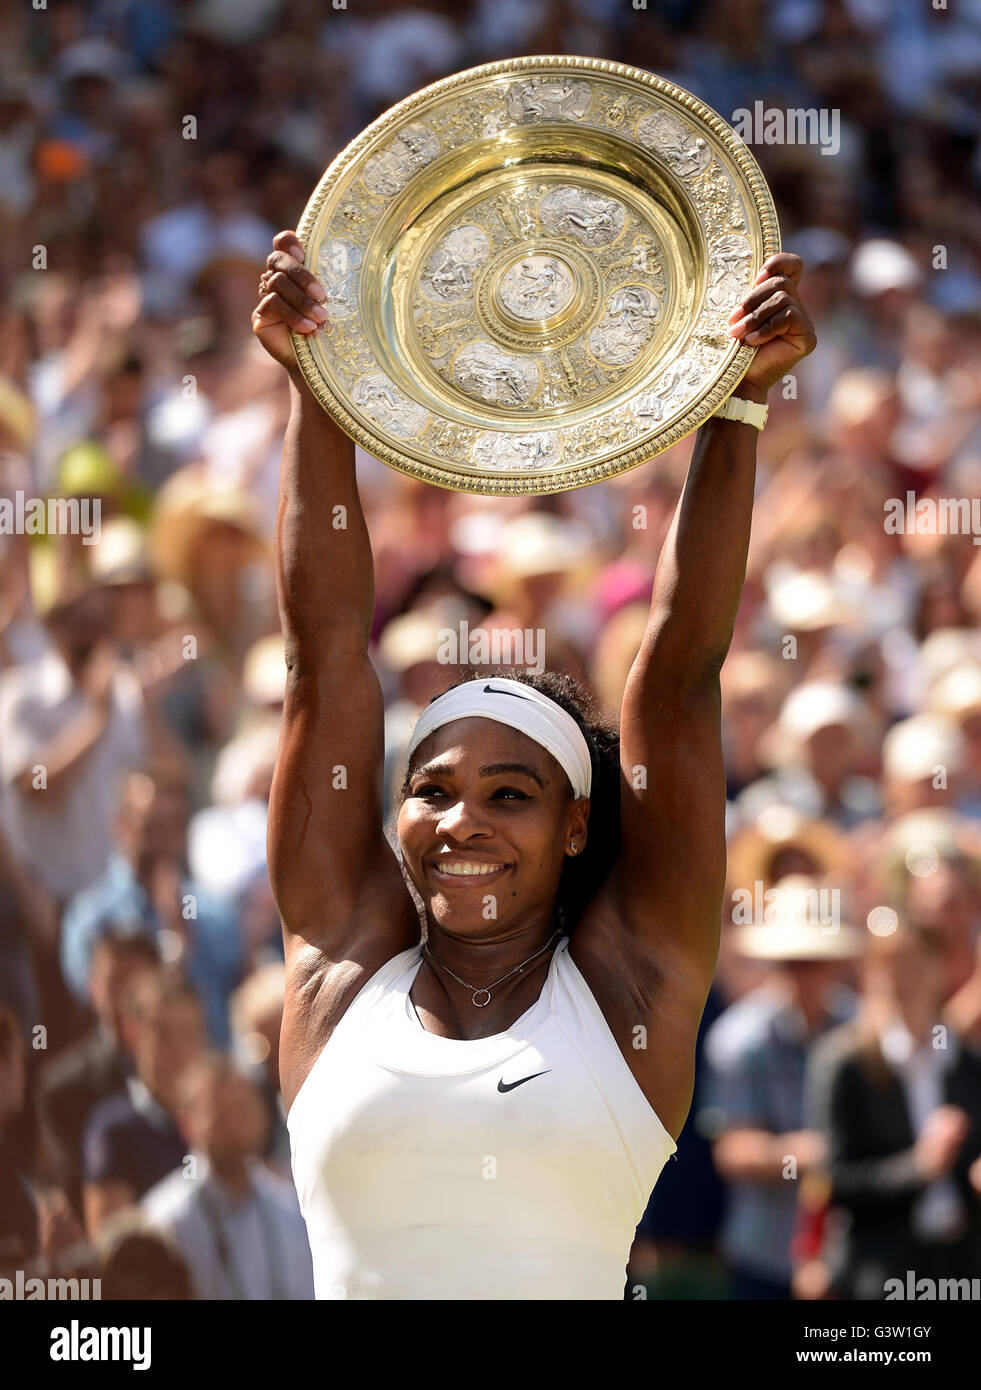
(489,690)
(503,1085)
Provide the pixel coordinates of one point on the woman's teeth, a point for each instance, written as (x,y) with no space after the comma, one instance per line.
(463,870)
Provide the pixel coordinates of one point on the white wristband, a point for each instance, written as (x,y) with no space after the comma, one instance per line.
(744,411)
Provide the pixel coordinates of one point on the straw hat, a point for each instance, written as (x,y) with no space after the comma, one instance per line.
(778,828)
(797,933)
(186,505)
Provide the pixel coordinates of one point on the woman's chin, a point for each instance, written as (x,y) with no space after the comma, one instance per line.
(455,917)
(459,918)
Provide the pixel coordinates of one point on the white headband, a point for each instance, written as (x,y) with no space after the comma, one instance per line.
(521,707)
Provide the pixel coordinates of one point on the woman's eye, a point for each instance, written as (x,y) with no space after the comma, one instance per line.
(428,791)
(510,794)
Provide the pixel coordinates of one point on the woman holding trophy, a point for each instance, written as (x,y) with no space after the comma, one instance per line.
(480,1108)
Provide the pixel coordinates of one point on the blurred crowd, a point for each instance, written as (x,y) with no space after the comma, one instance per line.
(148,152)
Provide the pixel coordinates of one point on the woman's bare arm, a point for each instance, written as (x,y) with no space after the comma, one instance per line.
(337,882)
(648,945)
(670,878)
(649,951)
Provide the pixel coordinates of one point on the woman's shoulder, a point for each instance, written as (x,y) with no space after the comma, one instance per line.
(320,992)
(322,987)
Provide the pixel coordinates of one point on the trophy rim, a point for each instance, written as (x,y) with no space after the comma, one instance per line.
(584,475)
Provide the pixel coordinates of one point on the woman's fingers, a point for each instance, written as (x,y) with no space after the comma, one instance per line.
(761,294)
(781,263)
(778,276)
(289,241)
(282,263)
(783,321)
(779,322)
(273,308)
(290,298)
(771,317)
(753,323)
(292,294)
(287,259)
(308,300)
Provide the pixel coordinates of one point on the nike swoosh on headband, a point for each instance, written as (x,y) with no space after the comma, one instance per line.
(491,690)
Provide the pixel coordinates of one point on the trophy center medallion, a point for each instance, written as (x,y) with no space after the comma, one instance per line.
(537,297)
(538,290)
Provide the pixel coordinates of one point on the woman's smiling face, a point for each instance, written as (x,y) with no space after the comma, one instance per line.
(484,828)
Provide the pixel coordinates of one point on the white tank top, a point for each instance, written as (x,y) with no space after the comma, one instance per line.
(514,1166)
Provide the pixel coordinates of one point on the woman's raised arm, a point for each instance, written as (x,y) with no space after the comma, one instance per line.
(671,874)
(338,885)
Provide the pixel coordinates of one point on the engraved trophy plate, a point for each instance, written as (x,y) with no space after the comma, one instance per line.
(529,270)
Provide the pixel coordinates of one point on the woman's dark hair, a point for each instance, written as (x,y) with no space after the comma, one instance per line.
(583,876)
